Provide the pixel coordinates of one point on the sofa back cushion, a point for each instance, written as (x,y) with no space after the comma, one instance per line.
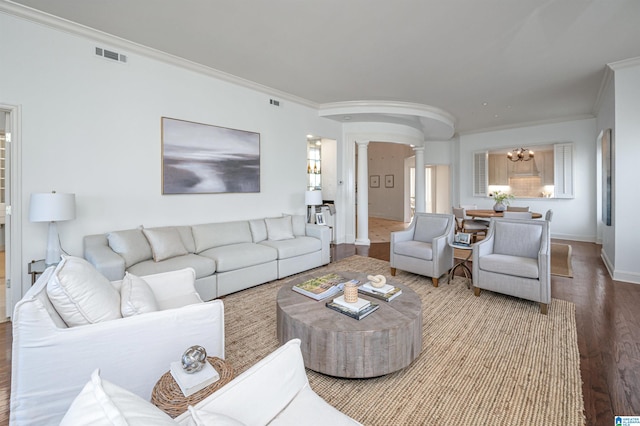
(429,227)
(258,230)
(131,244)
(299,224)
(81,295)
(212,235)
(517,239)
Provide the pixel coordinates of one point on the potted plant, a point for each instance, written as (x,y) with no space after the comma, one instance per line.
(502,200)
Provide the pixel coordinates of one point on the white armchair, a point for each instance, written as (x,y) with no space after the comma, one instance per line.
(51,362)
(274,391)
(423,248)
(514,259)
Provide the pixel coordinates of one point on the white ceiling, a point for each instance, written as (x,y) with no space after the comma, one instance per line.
(528,60)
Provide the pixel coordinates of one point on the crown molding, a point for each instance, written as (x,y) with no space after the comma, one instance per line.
(625,63)
(70,27)
(529,124)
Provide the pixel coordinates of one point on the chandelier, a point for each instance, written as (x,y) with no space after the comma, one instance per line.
(520,154)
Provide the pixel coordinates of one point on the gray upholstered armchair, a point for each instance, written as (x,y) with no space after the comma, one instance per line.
(423,248)
(514,259)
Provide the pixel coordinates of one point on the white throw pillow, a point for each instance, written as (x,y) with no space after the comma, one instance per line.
(279,228)
(165,243)
(131,245)
(206,418)
(81,294)
(103,403)
(136,297)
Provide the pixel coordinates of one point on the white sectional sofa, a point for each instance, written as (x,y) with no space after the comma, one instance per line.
(73,321)
(227,256)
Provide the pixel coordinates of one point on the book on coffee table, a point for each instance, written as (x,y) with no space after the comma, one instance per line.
(356,306)
(321,287)
(386,293)
(351,313)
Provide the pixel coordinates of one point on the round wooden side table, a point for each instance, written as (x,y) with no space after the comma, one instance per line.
(168,397)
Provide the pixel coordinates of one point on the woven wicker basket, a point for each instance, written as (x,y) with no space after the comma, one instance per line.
(167,395)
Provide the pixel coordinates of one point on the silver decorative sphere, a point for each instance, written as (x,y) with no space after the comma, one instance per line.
(193,359)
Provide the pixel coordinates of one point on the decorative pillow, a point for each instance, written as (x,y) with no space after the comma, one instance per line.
(103,403)
(136,297)
(279,228)
(207,418)
(165,243)
(131,245)
(299,223)
(81,294)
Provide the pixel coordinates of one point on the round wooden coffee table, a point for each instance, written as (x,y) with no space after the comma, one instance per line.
(387,340)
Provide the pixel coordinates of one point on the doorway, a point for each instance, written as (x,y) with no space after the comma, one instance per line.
(5,140)
(437,188)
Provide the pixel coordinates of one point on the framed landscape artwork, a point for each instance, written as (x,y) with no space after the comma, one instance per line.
(206,159)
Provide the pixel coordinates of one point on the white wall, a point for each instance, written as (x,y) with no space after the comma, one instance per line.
(573,219)
(387,159)
(625,173)
(92,127)
(605,120)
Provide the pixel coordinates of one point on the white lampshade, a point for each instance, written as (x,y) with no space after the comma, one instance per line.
(52,207)
(313,198)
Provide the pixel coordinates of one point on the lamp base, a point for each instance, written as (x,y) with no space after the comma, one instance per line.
(53,246)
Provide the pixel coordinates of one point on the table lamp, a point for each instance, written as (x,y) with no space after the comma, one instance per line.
(312,199)
(52,207)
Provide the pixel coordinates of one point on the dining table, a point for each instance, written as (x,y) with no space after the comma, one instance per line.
(490,213)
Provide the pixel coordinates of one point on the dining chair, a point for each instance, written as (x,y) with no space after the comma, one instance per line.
(469,226)
(517,215)
(517,209)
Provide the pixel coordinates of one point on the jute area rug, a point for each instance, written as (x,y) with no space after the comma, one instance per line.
(489,360)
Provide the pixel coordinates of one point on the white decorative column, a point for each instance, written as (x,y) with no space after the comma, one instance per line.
(362,230)
(420,189)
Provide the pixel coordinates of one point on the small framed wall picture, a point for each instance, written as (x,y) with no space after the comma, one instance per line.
(374,181)
(388,181)
(320,219)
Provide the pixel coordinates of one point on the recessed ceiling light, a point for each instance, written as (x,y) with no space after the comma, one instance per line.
(346,118)
(496,116)
(485,103)
(309,136)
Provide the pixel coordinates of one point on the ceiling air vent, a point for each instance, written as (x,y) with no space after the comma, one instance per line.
(110,54)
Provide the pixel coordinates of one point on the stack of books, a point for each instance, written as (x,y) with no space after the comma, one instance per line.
(322,287)
(357,310)
(191,383)
(386,292)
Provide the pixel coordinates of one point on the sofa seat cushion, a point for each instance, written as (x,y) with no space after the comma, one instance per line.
(294,247)
(510,265)
(203,266)
(417,249)
(236,256)
(305,402)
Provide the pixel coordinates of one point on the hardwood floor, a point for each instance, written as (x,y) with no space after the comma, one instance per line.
(608,325)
